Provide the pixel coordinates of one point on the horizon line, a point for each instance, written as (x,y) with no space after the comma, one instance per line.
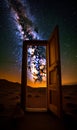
(71,83)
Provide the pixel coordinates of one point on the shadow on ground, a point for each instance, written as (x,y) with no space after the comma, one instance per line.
(20,120)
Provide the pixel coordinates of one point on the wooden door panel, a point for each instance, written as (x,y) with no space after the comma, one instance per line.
(54,74)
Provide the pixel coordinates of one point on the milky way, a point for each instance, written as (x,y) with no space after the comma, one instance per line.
(36,63)
(24,24)
(27,31)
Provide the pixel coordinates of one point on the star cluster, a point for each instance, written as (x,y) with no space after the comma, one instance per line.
(36,63)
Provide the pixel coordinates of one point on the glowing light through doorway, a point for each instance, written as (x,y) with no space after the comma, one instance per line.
(36,66)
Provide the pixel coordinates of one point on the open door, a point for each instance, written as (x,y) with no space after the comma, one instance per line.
(54,74)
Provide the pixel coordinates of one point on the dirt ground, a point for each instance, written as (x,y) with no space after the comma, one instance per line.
(11,114)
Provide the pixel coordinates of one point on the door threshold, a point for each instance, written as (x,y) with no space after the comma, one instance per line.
(36,109)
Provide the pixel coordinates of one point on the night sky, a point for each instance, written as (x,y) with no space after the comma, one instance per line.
(41,17)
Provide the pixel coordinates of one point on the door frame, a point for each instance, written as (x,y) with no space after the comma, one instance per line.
(24,73)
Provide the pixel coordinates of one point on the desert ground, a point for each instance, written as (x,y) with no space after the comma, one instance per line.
(10,94)
(69,98)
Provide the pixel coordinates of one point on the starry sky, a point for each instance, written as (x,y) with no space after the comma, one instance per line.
(41,17)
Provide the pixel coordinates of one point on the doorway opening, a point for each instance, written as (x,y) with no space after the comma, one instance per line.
(36,89)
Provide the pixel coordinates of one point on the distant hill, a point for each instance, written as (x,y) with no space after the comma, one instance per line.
(39,89)
(6,83)
(72,85)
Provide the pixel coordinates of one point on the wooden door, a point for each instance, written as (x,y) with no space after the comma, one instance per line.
(54,74)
